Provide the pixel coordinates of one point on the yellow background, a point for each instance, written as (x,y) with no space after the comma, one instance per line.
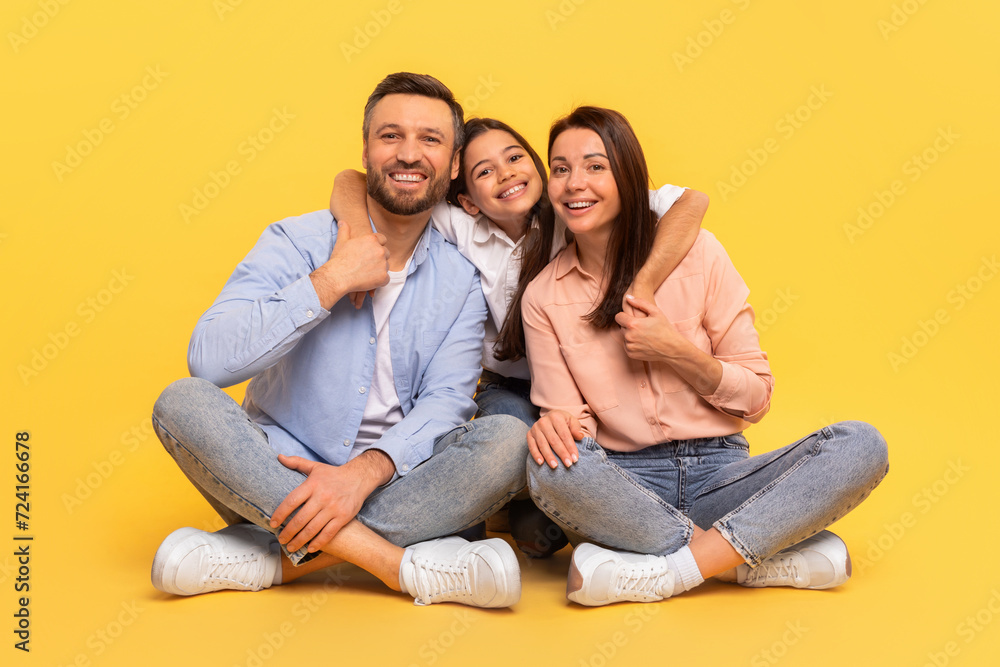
(886,79)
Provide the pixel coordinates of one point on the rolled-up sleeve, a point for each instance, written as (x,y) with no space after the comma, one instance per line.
(266,306)
(747,383)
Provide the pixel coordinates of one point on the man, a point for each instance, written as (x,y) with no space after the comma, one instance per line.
(353,440)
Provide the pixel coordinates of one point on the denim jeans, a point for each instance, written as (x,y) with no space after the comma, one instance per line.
(649,501)
(476,468)
(499,395)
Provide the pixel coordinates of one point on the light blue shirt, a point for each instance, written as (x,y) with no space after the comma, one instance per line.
(312,368)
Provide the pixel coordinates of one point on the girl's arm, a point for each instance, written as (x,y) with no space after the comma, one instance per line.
(349,202)
(681,213)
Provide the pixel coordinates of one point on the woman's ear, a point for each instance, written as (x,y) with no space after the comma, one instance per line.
(467,204)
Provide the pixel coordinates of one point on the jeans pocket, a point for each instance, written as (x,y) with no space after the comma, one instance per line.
(735,441)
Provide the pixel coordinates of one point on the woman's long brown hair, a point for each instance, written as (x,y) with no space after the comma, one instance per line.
(632,233)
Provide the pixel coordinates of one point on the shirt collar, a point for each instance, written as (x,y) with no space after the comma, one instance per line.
(567,260)
(423,247)
(485,228)
(420,250)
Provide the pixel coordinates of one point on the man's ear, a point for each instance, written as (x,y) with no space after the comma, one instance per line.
(364,154)
(454,165)
(467,204)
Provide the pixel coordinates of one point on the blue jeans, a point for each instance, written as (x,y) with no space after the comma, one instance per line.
(499,395)
(476,468)
(649,501)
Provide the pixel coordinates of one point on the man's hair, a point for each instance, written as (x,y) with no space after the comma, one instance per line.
(407,83)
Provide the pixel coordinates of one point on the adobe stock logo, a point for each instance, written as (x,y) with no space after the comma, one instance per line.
(786,126)
(59,340)
(914,168)
(248,151)
(364,34)
(37,21)
(121,107)
(959,297)
(698,43)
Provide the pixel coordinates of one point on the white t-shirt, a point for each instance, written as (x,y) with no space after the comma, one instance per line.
(382,411)
(498,259)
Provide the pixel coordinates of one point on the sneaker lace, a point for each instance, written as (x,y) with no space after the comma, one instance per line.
(438,582)
(774,571)
(245,570)
(642,582)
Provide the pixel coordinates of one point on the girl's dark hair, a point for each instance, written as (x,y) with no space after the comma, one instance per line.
(632,233)
(537,246)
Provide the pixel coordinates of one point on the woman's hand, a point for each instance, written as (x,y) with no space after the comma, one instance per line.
(553,438)
(652,337)
(649,335)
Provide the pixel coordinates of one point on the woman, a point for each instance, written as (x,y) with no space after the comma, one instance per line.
(642,414)
(502,221)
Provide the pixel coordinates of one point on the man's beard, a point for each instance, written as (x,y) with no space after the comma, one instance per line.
(405,203)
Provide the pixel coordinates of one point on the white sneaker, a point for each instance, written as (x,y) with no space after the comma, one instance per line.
(820,562)
(600,576)
(479,574)
(242,557)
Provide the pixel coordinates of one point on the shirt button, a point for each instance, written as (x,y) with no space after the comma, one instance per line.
(371,341)
(347,443)
(361,390)
(652,422)
(642,384)
(404,467)
(309,313)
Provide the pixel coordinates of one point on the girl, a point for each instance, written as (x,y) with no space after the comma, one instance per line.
(502,221)
(639,446)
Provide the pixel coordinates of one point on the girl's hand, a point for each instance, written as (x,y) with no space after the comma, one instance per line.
(649,336)
(638,289)
(553,438)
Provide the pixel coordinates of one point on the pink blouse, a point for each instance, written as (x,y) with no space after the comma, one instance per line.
(625,404)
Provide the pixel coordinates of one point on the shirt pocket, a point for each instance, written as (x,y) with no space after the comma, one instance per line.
(687,324)
(592,366)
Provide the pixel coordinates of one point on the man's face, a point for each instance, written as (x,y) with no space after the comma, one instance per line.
(409,153)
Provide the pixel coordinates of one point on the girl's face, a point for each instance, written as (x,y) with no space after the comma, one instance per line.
(500,177)
(582,188)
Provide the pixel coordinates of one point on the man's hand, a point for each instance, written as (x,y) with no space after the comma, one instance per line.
(553,438)
(329,498)
(649,336)
(355,265)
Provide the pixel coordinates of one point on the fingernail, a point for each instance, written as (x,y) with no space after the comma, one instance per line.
(629,297)
(568,462)
(575,459)
(540,461)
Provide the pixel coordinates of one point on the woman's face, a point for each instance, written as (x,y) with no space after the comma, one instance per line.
(582,188)
(500,177)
